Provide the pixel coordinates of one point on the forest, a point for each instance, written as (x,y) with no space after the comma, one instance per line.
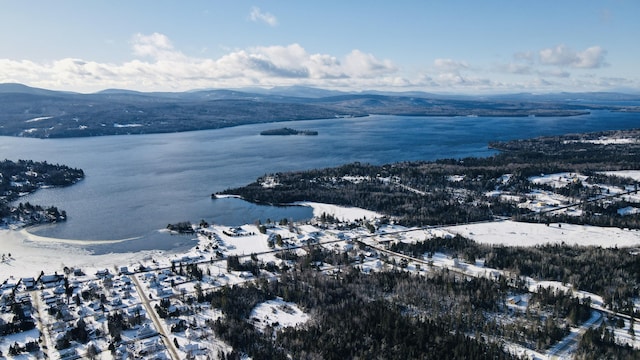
(454,191)
(43,113)
(391,314)
(22,177)
(612,273)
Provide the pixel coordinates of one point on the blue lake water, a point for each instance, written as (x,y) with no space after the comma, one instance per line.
(136,185)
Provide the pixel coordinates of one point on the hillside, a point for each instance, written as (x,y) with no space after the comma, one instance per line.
(42,113)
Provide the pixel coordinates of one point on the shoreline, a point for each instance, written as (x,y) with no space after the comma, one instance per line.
(39,238)
(31,254)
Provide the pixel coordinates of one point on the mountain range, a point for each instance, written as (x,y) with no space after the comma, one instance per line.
(34,112)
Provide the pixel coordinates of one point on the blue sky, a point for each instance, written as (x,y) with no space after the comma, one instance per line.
(448,46)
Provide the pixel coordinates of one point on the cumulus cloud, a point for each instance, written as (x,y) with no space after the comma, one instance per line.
(562,55)
(265,17)
(554,62)
(159,65)
(360,64)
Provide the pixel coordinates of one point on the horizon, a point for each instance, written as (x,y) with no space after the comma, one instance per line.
(458,47)
(249,90)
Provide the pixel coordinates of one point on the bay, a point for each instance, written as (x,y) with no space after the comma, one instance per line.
(136,185)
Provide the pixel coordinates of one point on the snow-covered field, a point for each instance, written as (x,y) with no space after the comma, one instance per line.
(511,233)
(30,254)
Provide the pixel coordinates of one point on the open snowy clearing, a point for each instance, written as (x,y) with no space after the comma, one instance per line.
(511,233)
(278,314)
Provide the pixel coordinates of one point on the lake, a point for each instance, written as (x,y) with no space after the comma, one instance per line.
(136,185)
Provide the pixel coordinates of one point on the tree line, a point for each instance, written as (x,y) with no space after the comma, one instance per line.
(451,191)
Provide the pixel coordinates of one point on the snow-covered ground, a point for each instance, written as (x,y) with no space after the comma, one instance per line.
(511,233)
(633,174)
(278,314)
(32,254)
(339,212)
(557,180)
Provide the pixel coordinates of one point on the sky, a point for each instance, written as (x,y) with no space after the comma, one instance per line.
(452,46)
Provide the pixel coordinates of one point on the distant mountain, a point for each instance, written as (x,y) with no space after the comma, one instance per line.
(33,112)
(24,89)
(570,97)
(301,91)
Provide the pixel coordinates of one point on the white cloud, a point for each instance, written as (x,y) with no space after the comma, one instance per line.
(265,17)
(157,65)
(155,46)
(554,62)
(449,65)
(360,64)
(562,55)
(516,68)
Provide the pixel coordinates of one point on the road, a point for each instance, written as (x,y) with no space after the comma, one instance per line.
(37,302)
(173,352)
(562,349)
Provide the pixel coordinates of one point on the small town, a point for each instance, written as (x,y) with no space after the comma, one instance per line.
(161,308)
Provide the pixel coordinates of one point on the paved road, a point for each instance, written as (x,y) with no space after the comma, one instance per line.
(173,352)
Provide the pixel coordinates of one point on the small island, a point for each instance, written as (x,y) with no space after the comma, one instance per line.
(288,131)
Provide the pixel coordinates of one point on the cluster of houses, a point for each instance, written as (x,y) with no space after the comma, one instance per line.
(75,315)
(79,316)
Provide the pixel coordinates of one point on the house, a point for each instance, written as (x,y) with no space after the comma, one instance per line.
(69,353)
(102,273)
(135,311)
(150,347)
(145,332)
(116,302)
(29,283)
(51,280)
(163,292)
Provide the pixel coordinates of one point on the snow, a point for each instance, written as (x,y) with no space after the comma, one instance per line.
(278,314)
(340,212)
(31,254)
(629,210)
(605,141)
(126,125)
(543,201)
(21,338)
(38,119)
(456,178)
(355,179)
(557,180)
(634,174)
(269,182)
(511,233)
